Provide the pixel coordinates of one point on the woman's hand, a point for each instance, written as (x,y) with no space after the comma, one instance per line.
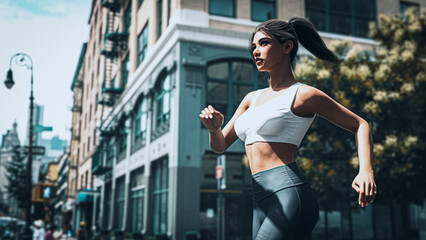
(366,187)
(211,118)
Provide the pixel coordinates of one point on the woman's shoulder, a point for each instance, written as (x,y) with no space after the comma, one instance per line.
(249,97)
(307,91)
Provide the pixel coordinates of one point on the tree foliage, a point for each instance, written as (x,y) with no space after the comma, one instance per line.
(16,176)
(386,86)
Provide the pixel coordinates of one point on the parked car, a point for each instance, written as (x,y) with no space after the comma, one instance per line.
(10,228)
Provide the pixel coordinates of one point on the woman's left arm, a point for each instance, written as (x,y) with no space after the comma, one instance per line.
(312,100)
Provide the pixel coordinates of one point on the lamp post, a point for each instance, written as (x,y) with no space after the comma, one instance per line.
(22,59)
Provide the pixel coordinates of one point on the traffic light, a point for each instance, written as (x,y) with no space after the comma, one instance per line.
(44,192)
(47,192)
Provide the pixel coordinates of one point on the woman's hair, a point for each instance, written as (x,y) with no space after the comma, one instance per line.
(296,29)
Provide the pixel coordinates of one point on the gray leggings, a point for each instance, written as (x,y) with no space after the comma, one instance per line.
(285,207)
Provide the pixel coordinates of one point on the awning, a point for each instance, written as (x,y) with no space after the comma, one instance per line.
(86,196)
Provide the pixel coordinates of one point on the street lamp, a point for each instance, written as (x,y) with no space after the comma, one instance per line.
(22,59)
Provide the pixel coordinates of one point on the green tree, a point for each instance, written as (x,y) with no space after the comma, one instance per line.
(386,85)
(16,176)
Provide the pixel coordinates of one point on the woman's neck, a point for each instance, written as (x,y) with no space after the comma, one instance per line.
(281,77)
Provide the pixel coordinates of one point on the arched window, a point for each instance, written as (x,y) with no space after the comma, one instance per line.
(140,122)
(161,114)
(228,82)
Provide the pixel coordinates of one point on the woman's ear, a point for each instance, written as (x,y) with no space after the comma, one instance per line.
(287,46)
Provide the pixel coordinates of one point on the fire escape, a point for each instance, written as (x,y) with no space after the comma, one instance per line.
(115,42)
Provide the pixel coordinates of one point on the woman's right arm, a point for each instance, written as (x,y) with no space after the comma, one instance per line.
(220,140)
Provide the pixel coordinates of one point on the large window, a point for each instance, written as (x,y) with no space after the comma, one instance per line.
(119,203)
(110,152)
(342,16)
(140,124)
(169,11)
(127,18)
(161,114)
(228,82)
(107,205)
(142,44)
(125,66)
(137,198)
(121,140)
(238,197)
(160,191)
(262,10)
(403,6)
(159,17)
(222,7)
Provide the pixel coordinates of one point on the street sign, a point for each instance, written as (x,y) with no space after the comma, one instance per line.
(37,150)
(219,172)
(40,128)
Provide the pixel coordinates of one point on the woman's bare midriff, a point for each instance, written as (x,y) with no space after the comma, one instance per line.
(266,155)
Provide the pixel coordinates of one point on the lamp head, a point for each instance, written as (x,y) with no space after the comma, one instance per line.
(9,79)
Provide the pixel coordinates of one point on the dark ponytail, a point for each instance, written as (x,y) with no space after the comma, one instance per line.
(297,29)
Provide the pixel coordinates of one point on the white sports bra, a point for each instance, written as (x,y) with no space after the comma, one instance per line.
(273,121)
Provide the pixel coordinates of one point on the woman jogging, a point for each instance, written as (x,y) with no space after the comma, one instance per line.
(273,121)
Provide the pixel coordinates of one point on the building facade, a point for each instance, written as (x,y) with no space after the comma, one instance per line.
(143,159)
(71,176)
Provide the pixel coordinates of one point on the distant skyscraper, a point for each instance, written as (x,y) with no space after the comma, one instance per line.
(11,139)
(38,120)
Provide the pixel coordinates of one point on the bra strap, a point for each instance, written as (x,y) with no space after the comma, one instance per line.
(256,96)
(293,90)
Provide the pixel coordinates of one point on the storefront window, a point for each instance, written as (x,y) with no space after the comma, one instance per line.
(160,177)
(119,203)
(137,198)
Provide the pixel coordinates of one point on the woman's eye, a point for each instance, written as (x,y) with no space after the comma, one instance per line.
(263,43)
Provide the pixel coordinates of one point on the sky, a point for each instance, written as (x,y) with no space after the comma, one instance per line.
(52,33)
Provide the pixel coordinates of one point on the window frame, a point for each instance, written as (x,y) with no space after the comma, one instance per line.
(231,82)
(127,18)
(352,15)
(137,196)
(107,201)
(142,40)
(139,142)
(159,18)
(120,198)
(233,15)
(404,5)
(125,71)
(274,12)
(160,176)
(121,140)
(161,120)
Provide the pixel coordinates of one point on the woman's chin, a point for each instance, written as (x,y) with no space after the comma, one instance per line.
(261,69)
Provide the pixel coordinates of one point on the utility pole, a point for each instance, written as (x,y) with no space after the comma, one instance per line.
(221,185)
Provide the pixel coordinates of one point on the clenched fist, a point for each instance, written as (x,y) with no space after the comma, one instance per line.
(211,118)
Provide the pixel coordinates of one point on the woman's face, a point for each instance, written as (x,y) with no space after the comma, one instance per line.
(267,51)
